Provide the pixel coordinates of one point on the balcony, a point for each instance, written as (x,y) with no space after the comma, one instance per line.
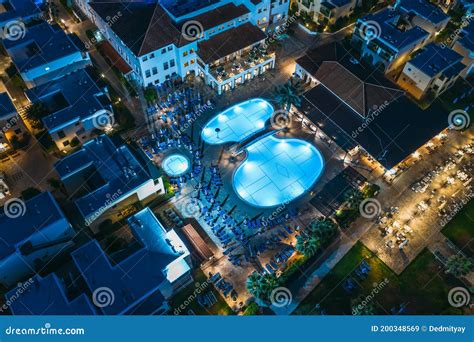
(222,71)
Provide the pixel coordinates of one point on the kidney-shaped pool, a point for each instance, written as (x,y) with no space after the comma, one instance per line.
(238,122)
(277,171)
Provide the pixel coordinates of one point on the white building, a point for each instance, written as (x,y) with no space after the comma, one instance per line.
(425,15)
(431,72)
(142,277)
(161,41)
(104,174)
(327,11)
(78,107)
(45,53)
(388,38)
(464,45)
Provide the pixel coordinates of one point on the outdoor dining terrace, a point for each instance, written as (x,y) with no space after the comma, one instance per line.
(240,63)
(226,73)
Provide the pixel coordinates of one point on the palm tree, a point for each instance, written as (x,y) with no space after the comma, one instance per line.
(150,94)
(254,285)
(324,229)
(353,198)
(289,94)
(261,286)
(308,246)
(35,113)
(459,265)
(269,283)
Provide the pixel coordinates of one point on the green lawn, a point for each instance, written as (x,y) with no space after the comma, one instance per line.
(423,287)
(460,229)
(185,300)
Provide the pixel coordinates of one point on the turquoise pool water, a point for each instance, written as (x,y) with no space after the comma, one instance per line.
(277,171)
(238,122)
(175,165)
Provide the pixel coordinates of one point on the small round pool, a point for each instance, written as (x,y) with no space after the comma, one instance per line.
(175,165)
(277,171)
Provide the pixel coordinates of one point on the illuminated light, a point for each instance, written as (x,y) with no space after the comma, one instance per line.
(260,124)
(249,166)
(47,68)
(416,155)
(175,165)
(222,118)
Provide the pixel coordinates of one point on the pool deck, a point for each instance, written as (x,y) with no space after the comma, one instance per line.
(218,154)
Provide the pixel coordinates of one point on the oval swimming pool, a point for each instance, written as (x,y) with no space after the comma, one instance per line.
(238,122)
(277,171)
(175,165)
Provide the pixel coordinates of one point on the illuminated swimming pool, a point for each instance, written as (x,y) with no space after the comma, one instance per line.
(238,122)
(277,171)
(175,165)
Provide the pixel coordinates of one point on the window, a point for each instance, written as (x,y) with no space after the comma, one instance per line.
(186,64)
(172,64)
(157,81)
(154,70)
(185,53)
(61,134)
(170,48)
(152,56)
(166,65)
(66,143)
(147,73)
(163,51)
(144,59)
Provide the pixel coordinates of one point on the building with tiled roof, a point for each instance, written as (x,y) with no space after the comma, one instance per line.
(161,40)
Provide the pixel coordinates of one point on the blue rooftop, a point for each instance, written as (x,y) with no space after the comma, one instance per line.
(178,8)
(41,44)
(424,9)
(106,170)
(141,273)
(15,9)
(40,213)
(6,105)
(434,59)
(69,99)
(467,39)
(46,296)
(394,31)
